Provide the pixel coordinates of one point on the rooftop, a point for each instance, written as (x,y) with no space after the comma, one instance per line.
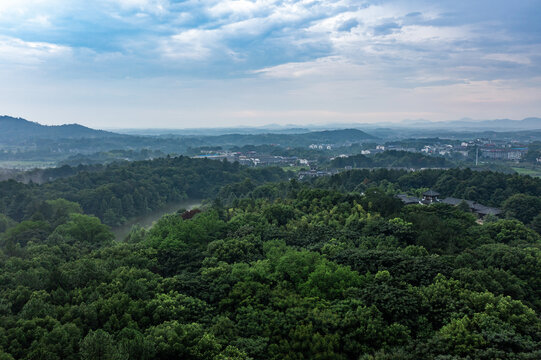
(431,193)
(408,199)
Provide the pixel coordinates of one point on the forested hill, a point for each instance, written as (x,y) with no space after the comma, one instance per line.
(17,130)
(119,191)
(313,273)
(22,140)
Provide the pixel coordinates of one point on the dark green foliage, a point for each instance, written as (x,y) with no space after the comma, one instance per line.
(485,187)
(535,224)
(392,158)
(287,272)
(123,190)
(522,207)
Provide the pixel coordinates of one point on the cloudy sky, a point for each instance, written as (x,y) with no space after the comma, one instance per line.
(178,64)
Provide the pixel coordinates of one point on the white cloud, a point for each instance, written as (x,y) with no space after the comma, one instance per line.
(40,20)
(238,8)
(418,34)
(511,58)
(192,44)
(306,59)
(151,6)
(334,67)
(19,52)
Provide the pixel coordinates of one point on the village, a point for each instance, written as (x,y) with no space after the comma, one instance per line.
(478,150)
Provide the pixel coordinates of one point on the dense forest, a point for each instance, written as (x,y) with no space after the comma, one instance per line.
(518,196)
(287,271)
(122,190)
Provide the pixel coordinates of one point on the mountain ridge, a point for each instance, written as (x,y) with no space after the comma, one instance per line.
(14,129)
(529,123)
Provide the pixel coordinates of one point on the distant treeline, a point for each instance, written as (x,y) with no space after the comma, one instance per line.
(106,157)
(123,190)
(345,136)
(422,142)
(40,176)
(391,158)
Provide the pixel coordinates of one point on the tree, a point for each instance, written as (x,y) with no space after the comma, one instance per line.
(5,223)
(463,205)
(330,281)
(61,210)
(536,223)
(83,230)
(511,232)
(522,207)
(99,345)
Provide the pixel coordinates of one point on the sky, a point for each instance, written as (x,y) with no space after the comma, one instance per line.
(210,63)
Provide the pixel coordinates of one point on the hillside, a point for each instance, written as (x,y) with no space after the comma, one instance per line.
(15,130)
(338,137)
(23,140)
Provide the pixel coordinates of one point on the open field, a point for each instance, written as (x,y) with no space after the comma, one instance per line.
(536,172)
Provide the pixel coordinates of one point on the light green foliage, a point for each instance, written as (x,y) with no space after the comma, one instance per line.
(136,234)
(24,233)
(61,209)
(5,223)
(290,271)
(83,229)
(330,281)
(511,232)
(175,233)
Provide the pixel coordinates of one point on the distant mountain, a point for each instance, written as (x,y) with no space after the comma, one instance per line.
(212,131)
(336,136)
(17,130)
(466,124)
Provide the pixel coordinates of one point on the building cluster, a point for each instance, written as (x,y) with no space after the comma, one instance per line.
(516,153)
(316,173)
(432,197)
(497,149)
(320,146)
(486,148)
(444,150)
(252,158)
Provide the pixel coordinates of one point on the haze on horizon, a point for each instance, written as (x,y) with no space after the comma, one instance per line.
(185,64)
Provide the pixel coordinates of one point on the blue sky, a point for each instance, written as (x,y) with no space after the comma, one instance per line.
(166,63)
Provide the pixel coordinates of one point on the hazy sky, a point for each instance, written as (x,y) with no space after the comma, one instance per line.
(166,63)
